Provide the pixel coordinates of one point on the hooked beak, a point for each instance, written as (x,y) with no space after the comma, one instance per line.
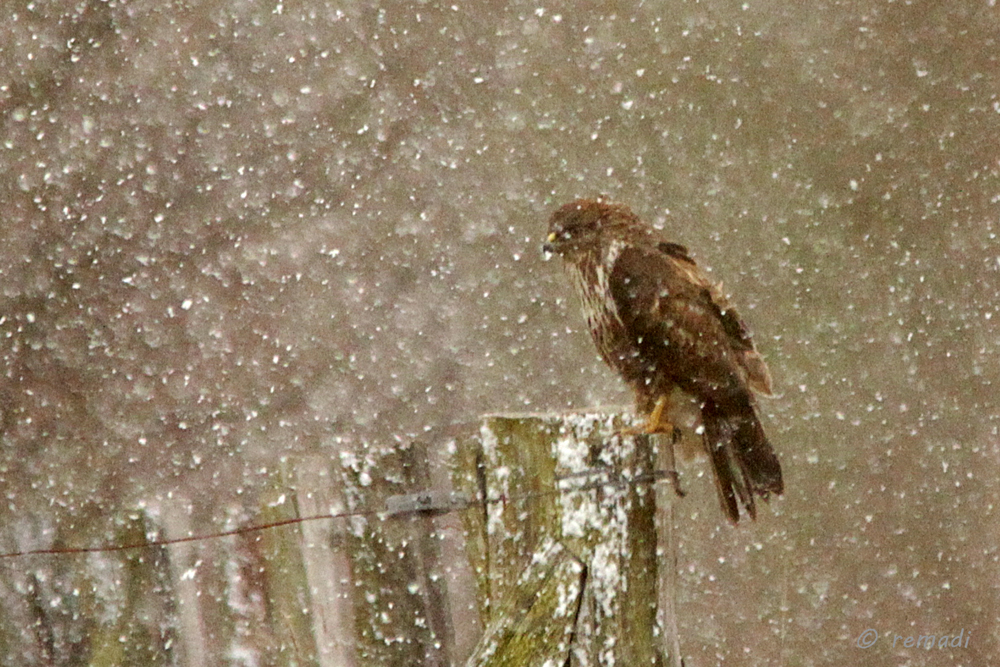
(548,250)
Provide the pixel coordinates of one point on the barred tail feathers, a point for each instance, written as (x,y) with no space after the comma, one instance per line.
(744,461)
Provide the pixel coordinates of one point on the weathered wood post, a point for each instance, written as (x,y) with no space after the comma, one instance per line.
(565,547)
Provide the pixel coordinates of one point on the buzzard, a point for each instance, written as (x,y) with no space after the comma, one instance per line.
(661,324)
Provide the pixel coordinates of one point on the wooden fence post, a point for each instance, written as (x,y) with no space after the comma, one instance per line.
(565,549)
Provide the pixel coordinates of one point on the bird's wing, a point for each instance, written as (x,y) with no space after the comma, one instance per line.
(739,335)
(677,315)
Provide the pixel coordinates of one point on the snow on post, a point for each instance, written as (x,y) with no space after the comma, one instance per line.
(565,545)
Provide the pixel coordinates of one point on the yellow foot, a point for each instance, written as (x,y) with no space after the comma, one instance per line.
(657,423)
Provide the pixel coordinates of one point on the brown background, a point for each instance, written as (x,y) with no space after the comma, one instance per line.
(234,232)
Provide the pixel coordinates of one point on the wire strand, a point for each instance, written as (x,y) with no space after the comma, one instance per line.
(616,481)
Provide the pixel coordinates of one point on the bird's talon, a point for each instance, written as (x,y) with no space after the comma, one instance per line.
(663,428)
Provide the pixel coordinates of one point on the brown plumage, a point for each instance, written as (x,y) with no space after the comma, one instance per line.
(661,324)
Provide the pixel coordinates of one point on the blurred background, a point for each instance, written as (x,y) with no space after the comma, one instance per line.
(236,235)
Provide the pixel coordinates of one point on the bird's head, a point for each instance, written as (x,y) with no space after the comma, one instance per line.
(579,225)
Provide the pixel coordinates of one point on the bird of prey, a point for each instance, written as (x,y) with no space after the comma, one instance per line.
(660,323)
